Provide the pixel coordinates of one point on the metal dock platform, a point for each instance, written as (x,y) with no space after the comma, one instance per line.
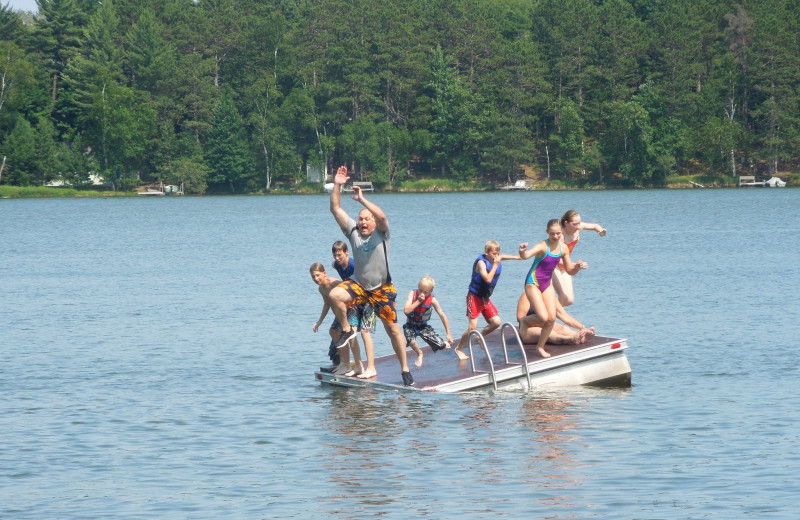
(601,361)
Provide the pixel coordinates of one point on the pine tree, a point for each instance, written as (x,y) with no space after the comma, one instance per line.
(227,154)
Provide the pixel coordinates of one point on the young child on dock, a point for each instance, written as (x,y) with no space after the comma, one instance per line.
(485,273)
(418,311)
(538,289)
(361,316)
(326,285)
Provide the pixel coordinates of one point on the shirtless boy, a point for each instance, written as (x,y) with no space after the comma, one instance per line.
(361,316)
(326,285)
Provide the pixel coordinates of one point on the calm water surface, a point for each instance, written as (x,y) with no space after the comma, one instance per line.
(157,358)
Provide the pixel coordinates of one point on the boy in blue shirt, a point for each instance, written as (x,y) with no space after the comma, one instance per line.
(359,316)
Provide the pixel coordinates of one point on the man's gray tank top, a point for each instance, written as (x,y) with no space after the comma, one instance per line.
(370,255)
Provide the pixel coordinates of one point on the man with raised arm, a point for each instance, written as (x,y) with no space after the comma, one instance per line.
(371,281)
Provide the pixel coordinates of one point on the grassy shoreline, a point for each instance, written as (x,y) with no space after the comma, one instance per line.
(416,186)
(44,192)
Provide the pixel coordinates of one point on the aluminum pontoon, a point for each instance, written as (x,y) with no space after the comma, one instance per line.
(501,360)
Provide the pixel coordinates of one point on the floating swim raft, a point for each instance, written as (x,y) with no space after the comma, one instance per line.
(500,360)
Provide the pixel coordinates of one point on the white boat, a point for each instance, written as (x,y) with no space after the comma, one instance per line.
(499,362)
(520,185)
(773,182)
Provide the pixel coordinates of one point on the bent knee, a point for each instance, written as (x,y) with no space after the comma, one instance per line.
(340,295)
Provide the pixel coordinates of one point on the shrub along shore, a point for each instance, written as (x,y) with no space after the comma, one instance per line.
(413,186)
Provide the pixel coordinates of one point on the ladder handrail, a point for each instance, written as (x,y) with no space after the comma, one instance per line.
(510,325)
(475,333)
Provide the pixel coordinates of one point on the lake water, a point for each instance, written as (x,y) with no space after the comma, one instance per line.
(157,358)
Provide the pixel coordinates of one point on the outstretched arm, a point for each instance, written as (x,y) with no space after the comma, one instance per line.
(525,253)
(336,197)
(510,257)
(381,222)
(594,227)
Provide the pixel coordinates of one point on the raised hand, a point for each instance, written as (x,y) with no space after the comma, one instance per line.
(341,176)
(357,193)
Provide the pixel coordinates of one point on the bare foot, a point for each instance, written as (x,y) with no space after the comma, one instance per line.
(461,355)
(418,362)
(543,353)
(582,336)
(578,338)
(590,333)
(342,369)
(366,374)
(355,370)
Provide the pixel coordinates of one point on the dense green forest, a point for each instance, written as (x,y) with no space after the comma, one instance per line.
(244,96)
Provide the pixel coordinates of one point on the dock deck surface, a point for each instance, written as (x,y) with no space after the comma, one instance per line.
(443,371)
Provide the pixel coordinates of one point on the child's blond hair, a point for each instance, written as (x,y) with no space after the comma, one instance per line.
(427,284)
(316,267)
(491,245)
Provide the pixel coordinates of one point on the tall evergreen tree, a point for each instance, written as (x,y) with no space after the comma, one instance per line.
(569,28)
(16,77)
(149,57)
(58,36)
(628,142)
(453,120)
(227,153)
(776,61)
(20,148)
(47,163)
(98,64)
(10,24)
(568,137)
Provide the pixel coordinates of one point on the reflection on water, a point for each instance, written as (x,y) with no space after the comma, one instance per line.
(510,452)
(555,423)
(361,460)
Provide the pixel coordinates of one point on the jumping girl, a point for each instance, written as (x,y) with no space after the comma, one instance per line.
(571,226)
(538,288)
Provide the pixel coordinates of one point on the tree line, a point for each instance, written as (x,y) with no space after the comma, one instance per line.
(237,96)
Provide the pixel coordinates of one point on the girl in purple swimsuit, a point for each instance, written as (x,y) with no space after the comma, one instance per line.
(538,289)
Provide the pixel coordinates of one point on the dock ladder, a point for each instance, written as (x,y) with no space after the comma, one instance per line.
(482,341)
(509,325)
